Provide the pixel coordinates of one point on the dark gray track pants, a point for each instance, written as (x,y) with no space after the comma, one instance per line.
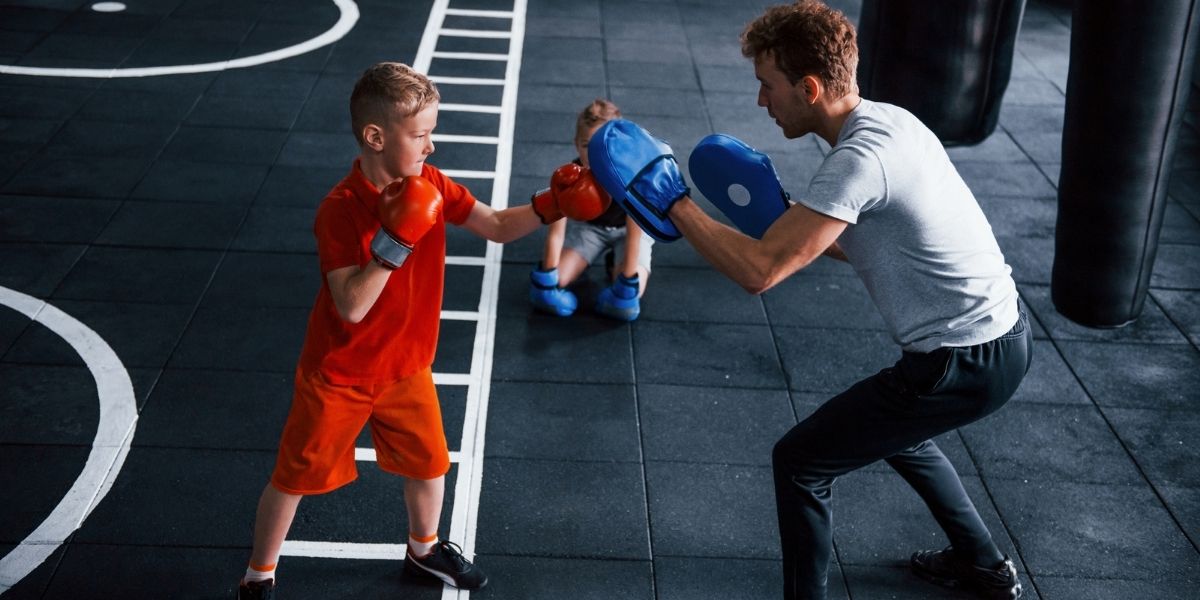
(891,416)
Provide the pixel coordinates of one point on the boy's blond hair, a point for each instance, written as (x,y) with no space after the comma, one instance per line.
(389,90)
(599,111)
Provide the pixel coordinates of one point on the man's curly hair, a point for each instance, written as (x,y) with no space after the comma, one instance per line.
(806,38)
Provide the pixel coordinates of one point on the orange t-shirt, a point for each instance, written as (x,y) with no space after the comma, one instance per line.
(398,336)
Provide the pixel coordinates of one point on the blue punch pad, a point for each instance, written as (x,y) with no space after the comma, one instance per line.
(740,181)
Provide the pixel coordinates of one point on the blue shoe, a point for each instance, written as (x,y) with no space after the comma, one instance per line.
(547,297)
(620,300)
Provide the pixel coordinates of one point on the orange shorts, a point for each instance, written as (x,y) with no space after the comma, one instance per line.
(316,454)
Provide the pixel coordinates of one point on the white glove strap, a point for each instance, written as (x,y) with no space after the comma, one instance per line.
(388,251)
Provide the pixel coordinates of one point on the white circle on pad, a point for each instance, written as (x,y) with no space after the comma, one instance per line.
(739,195)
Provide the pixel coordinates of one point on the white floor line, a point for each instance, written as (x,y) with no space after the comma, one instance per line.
(466,80)
(110,446)
(476,33)
(467,261)
(465,517)
(479,108)
(343,550)
(463,174)
(465,139)
(460,315)
(467,12)
(471,56)
(368,455)
(346,20)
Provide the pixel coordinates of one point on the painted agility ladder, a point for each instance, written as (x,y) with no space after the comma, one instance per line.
(469,457)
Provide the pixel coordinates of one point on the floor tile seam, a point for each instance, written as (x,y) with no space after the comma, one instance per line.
(1184,342)
(565,556)
(697,75)
(80,445)
(641,431)
(563,461)
(1176,243)
(1028,155)
(739,557)
(567,460)
(245,212)
(1179,326)
(1004,522)
(1052,337)
(74,362)
(1147,481)
(1041,403)
(135,444)
(632,383)
(702,463)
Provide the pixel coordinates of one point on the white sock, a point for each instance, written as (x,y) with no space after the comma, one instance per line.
(420,549)
(259,573)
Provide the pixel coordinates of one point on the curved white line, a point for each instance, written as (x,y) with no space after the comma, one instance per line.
(118,419)
(349,16)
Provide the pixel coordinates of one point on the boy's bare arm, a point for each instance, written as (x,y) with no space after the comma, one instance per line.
(633,246)
(502,226)
(556,234)
(356,289)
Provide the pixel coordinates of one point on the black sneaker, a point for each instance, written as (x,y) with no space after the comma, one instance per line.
(447,563)
(945,568)
(256,590)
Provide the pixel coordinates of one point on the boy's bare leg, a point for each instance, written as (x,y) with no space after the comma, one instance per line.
(570,265)
(423,498)
(276,510)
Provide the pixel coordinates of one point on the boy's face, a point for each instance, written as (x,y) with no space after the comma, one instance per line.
(407,142)
(581,142)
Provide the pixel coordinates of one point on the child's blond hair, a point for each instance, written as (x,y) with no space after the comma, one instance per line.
(599,111)
(389,90)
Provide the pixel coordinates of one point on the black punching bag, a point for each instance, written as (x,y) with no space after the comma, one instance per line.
(947,62)
(1126,94)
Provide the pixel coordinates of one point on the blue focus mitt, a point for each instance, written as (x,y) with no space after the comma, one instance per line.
(640,173)
(721,162)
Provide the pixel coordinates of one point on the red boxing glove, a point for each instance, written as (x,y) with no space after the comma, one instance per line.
(573,193)
(408,209)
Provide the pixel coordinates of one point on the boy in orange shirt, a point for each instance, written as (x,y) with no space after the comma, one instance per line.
(372,334)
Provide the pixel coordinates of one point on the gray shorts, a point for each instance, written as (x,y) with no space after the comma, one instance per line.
(590,241)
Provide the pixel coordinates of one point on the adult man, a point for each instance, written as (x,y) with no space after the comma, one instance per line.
(887,200)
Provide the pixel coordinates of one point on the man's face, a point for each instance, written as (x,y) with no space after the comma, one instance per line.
(409,141)
(784,101)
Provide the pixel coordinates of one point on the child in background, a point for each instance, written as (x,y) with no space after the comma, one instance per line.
(572,245)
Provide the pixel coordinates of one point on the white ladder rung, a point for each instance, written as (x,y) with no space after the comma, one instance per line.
(477,33)
(476,108)
(468,12)
(343,550)
(463,174)
(368,455)
(466,261)
(465,139)
(460,315)
(471,56)
(466,80)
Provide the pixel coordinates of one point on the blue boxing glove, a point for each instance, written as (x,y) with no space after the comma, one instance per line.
(720,164)
(620,300)
(640,173)
(547,297)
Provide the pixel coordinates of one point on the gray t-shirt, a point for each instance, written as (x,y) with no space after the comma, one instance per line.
(917,237)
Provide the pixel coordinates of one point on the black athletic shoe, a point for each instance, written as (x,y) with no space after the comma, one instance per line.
(256,590)
(945,568)
(447,563)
